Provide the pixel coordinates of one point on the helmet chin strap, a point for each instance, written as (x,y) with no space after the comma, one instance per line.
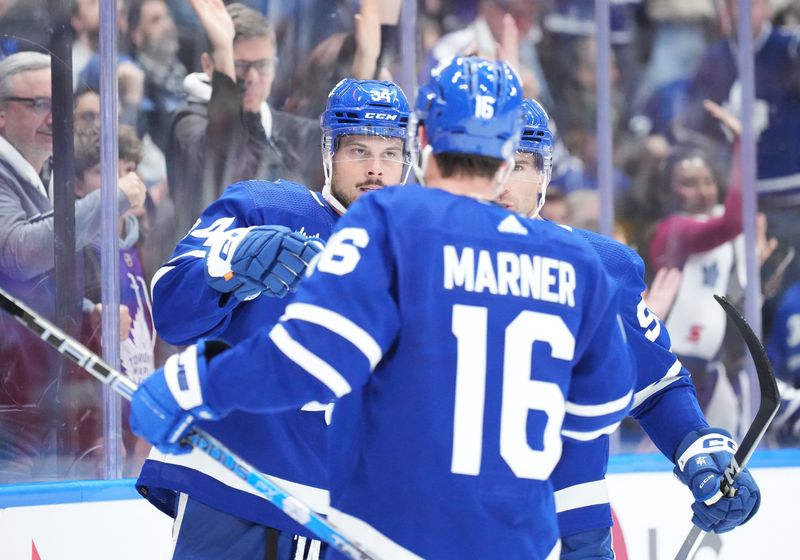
(327,165)
(540,204)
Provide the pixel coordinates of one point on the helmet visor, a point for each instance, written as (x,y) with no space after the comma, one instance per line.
(383,148)
(530,167)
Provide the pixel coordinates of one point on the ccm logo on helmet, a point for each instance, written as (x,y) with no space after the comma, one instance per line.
(380,116)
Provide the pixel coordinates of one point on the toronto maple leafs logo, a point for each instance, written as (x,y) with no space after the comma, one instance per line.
(710,274)
(136,352)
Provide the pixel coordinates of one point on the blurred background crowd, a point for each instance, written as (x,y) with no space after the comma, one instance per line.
(210,93)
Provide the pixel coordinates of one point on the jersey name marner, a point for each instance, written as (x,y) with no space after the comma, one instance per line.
(505,273)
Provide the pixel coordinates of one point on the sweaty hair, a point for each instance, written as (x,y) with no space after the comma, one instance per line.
(87,147)
(454,164)
(19,63)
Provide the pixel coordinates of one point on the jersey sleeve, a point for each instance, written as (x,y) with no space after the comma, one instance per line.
(665,402)
(330,339)
(581,491)
(601,387)
(185,307)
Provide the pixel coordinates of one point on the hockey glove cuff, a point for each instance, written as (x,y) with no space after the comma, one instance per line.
(701,460)
(256,260)
(166,404)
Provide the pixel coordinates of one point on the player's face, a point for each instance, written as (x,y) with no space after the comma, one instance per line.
(27,127)
(365,163)
(520,193)
(255,66)
(694,186)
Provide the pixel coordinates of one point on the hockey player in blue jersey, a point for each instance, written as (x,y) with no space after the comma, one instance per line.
(225,279)
(665,402)
(460,342)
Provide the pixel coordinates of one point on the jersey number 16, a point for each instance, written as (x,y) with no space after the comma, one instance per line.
(520,394)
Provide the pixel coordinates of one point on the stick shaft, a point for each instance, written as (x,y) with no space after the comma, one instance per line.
(100,370)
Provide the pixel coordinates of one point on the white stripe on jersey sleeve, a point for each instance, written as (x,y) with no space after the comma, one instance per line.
(599,409)
(198,254)
(309,361)
(157,276)
(588,436)
(672,375)
(582,495)
(338,324)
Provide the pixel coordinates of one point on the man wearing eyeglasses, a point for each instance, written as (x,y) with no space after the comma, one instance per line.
(27,255)
(228,132)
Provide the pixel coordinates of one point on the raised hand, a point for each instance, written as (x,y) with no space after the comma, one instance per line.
(724,116)
(662,291)
(133,188)
(218,25)
(368,40)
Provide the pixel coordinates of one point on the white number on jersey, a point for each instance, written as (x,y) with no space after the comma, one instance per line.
(211,232)
(484,106)
(646,319)
(341,254)
(520,392)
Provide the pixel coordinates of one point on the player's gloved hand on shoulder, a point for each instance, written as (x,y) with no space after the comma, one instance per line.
(701,459)
(166,404)
(262,259)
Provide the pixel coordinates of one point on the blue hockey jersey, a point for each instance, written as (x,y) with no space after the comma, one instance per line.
(185,307)
(783,346)
(462,343)
(665,402)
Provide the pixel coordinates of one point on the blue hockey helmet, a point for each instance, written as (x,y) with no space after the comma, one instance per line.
(366,107)
(363,108)
(537,144)
(536,134)
(471,105)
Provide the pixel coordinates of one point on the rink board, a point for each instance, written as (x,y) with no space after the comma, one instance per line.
(102,520)
(81,520)
(654,516)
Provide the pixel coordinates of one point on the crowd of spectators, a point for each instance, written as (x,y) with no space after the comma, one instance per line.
(213,92)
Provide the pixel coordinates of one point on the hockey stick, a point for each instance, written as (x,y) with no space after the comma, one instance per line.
(100,370)
(767,408)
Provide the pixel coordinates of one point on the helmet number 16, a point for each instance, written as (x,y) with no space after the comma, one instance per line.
(484,106)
